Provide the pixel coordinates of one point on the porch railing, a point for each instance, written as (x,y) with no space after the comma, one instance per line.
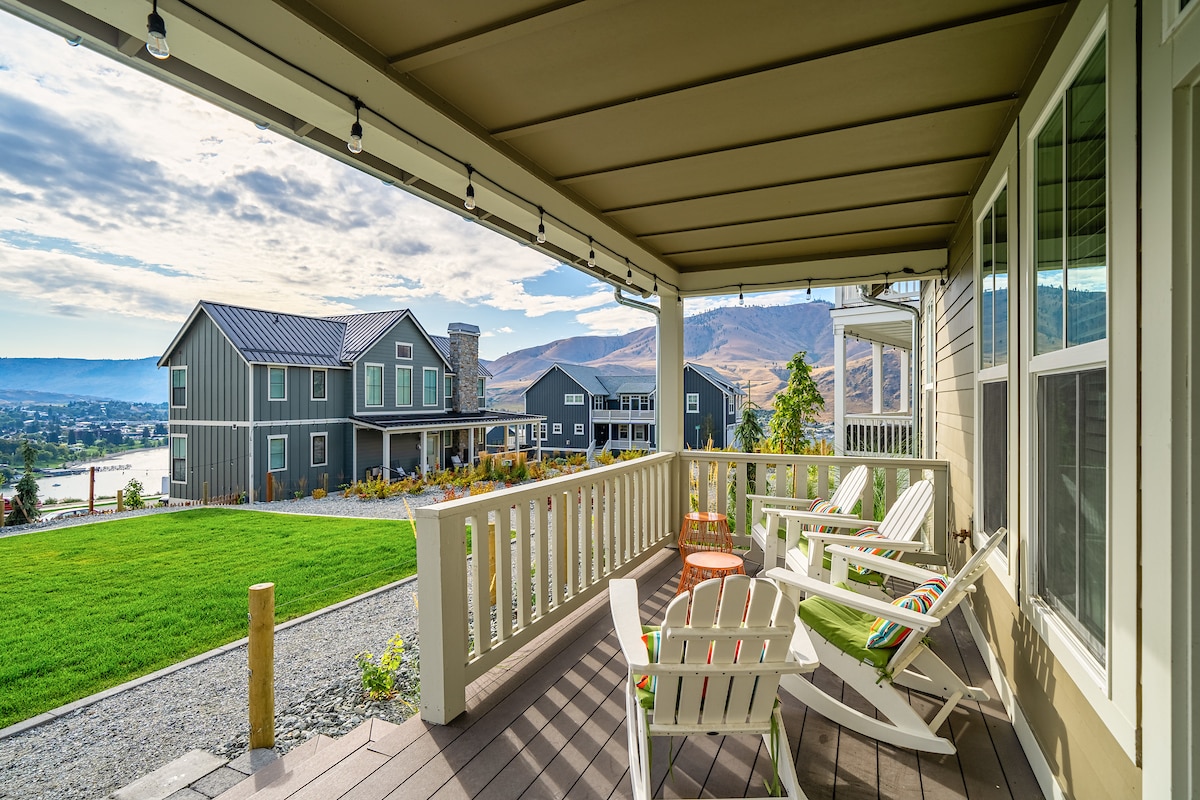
(552,546)
(486,591)
(879,435)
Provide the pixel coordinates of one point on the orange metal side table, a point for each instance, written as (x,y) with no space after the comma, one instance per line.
(708,564)
(704,531)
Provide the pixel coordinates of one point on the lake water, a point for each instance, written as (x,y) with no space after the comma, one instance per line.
(148,466)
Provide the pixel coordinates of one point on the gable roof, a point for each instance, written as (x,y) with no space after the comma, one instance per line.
(715,377)
(597,381)
(363,330)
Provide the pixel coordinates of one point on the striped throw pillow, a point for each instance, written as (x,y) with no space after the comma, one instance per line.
(823,507)
(652,640)
(883,552)
(885,633)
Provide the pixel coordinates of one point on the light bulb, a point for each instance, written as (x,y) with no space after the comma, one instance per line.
(469,203)
(629,277)
(541,237)
(810,290)
(741,298)
(156,38)
(655,289)
(74,41)
(354,145)
(591,254)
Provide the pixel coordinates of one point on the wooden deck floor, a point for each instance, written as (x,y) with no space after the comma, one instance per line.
(551,724)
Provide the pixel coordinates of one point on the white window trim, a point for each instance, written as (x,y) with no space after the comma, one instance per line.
(285,383)
(569,399)
(396,382)
(578,429)
(410,351)
(436,394)
(270,439)
(186,457)
(691,403)
(448,384)
(556,429)
(312,385)
(186,388)
(366,403)
(311,437)
(541,434)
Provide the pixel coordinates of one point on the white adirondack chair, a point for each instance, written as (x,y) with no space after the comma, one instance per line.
(838,622)
(847,493)
(807,550)
(721,655)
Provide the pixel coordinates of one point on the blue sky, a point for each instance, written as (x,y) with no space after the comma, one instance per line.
(124,201)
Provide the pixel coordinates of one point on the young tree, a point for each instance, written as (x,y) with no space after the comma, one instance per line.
(749,431)
(796,408)
(25,504)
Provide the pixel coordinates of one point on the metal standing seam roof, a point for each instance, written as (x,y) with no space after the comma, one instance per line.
(715,377)
(597,382)
(279,338)
(363,330)
(442,343)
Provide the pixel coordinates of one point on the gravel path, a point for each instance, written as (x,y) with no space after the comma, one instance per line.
(100,748)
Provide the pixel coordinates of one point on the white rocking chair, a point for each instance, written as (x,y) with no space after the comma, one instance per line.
(722,650)
(849,490)
(807,551)
(839,622)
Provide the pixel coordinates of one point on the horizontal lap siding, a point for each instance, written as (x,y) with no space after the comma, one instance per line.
(955,385)
(384,352)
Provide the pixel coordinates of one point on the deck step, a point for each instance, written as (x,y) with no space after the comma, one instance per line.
(311,765)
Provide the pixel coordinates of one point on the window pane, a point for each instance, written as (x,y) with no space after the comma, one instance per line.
(318,450)
(430,396)
(986,294)
(178,458)
(404,387)
(1000,279)
(1086,209)
(179,387)
(994,458)
(278,454)
(1048,200)
(374,386)
(318,384)
(278,386)
(1073,542)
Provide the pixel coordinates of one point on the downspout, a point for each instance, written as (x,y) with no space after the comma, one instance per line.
(656,311)
(914,360)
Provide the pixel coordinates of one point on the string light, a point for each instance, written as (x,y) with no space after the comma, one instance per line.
(469,203)
(628,274)
(156,35)
(591,254)
(655,289)
(541,236)
(75,41)
(741,297)
(354,145)
(809,288)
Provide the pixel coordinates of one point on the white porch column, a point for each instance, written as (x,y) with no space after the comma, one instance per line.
(839,390)
(387,456)
(904,376)
(670,374)
(471,445)
(424,460)
(876,378)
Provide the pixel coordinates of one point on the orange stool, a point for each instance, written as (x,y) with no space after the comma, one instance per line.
(704,531)
(708,564)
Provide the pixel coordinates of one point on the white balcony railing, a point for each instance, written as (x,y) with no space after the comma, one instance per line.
(899,292)
(557,543)
(614,415)
(879,435)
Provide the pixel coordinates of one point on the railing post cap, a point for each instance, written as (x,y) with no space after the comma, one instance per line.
(258,587)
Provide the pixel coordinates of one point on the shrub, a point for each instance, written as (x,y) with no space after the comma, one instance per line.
(318,494)
(379,679)
(133,494)
(605,458)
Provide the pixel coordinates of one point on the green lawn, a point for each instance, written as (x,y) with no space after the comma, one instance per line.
(89,607)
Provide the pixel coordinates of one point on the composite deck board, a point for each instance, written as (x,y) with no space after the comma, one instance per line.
(550,723)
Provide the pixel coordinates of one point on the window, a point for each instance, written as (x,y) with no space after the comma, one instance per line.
(598,402)
(993,445)
(639,433)
(179,468)
(541,431)
(480,393)
(556,429)
(404,351)
(732,405)
(277,383)
(276,453)
(449,380)
(319,378)
(404,386)
(693,403)
(622,431)
(373,385)
(318,443)
(1068,369)
(430,397)
(178,387)
(572,399)
(993,283)
(579,429)
(993,459)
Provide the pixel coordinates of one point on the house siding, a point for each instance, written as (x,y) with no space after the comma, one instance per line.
(384,352)
(217,456)
(545,397)
(299,404)
(712,403)
(217,374)
(300,475)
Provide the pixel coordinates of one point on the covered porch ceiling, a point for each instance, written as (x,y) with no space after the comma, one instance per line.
(714,145)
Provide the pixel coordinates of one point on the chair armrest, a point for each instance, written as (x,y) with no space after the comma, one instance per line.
(888,566)
(819,518)
(859,602)
(772,500)
(849,540)
(623,602)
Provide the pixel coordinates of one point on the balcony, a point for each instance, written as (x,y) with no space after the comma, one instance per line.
(879,435)
(616,415)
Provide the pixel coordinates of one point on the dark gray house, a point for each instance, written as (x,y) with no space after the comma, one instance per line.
(271,403)
(587,407)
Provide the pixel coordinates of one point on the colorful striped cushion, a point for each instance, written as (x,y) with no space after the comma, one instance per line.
(652,640)
(871,533)
(885,633)
(820,505)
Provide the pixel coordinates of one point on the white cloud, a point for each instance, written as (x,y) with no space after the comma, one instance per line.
(615,321)
(505,329)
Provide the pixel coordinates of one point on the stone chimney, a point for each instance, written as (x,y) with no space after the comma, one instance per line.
(464,360)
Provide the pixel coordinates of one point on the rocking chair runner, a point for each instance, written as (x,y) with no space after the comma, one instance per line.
(839,623)
(721,652)
(847,493)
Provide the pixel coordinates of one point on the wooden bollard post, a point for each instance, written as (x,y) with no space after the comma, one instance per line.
(262,665)
(205,493)
(91,490)
(120,500)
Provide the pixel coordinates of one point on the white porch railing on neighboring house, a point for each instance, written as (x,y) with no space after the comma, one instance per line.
(555,545)
(879,435)
(618,416)
(560,541)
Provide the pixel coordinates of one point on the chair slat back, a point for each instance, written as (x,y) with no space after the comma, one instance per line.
(696,638)
(904,519)
(849,490)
